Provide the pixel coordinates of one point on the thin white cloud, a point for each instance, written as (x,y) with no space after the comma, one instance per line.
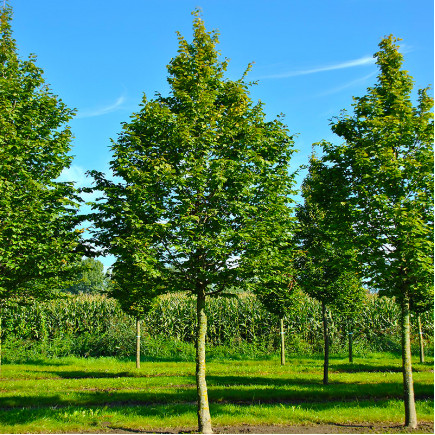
(346,85)
(367,60)
(76,174)
(90,113)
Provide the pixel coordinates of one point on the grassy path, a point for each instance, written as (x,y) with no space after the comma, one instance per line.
(108,395)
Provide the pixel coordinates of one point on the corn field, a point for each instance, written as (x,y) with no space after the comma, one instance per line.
(95,326)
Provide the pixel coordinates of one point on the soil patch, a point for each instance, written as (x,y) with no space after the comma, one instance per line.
(382,428)
(327,428)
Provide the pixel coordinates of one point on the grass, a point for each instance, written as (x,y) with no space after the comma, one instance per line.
(106,394)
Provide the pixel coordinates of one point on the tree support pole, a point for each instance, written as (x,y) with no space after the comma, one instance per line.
(137,343)
(420,338)
(350,335)
(326,340)
(281,331)
(204,419)
(408,384)
(0,341)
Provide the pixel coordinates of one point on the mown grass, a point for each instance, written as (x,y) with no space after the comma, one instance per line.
(106,394)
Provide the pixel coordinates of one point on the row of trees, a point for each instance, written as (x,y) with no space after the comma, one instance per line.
(204,202)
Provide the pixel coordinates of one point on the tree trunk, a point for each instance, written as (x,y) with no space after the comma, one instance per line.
(0,341)
(326,340)
(350,338)
(408,384)
(137,343)
(420,338)
(204,420)
(281,329)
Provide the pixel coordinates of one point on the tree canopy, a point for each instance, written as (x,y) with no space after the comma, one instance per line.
(327,267)
(89,277)
(205,177)
(387,160)
(135,290)
(38,215)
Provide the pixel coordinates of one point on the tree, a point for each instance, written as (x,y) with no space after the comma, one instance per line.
(350,305)
(38,215)
(420,305)
(327,268)
(89,277)
(135,291)
(205,184)
(275,285)
(387,159)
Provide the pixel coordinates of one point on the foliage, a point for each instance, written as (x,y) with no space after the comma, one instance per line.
(275,280)
(38,215)
(388,162)
(135,290)
(205,177)
(89,277)
(327,268)
(204,190)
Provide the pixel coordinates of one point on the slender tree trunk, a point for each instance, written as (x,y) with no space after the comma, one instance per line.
(326,340)
(281,330)
(137,343)
(1,341)
(350,338)
(421,341)
(408,384)
(204,420)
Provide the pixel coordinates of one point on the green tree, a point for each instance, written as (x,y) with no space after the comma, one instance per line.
(89,277)
(275,285)
(387,159)
(327,267)
(205,184)
(349,306)
(38,215)
(135,291)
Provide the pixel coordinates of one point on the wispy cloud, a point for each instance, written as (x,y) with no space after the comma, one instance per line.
(90,113)
(347,85)
(366,60)
(76,174)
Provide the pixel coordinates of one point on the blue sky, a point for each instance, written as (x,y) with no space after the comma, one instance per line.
(310,57)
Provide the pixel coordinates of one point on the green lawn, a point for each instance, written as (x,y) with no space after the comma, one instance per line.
(105,394)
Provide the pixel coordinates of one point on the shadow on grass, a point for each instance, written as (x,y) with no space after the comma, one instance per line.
(338,367)
(134,373)
(228,389)
(66,410)
(162,359)
(62,411)
(368,368)
(83,374)
(373,368)
(212,356)
(273,390)
(34,361)
(99,398)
